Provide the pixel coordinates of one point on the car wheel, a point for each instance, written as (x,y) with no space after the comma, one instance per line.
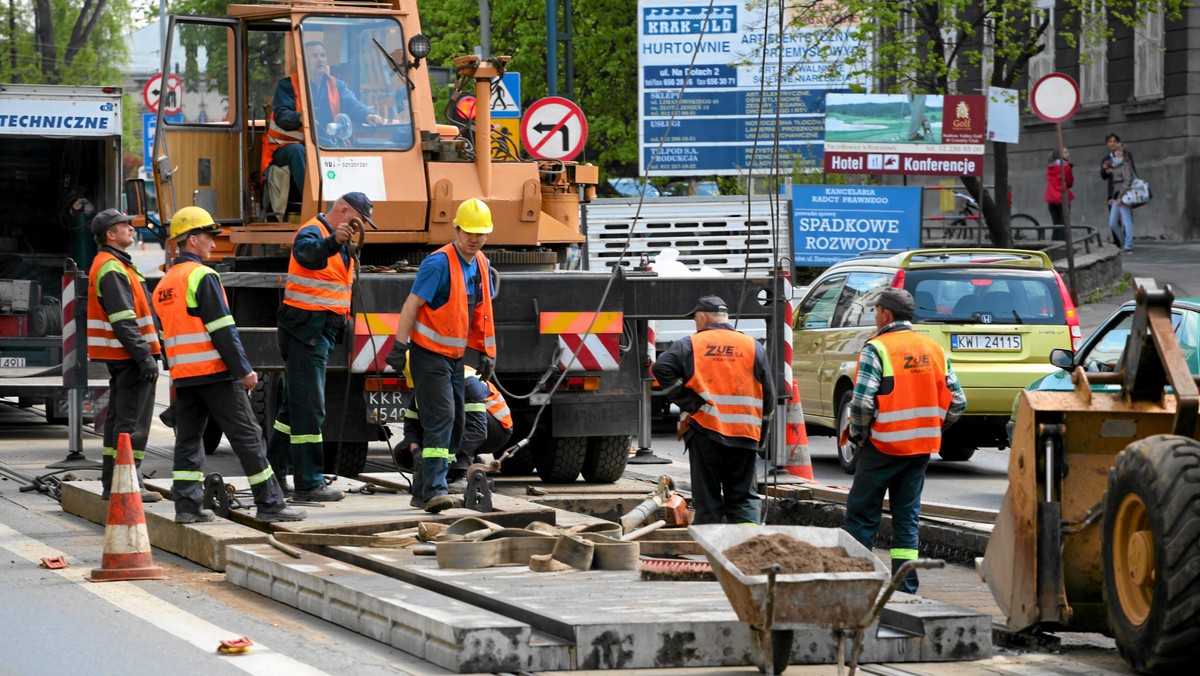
(847,452)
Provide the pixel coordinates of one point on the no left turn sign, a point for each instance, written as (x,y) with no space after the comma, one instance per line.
(554,128)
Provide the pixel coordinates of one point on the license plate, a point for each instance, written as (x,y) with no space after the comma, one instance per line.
(12,362)
(985,341)
(385,407)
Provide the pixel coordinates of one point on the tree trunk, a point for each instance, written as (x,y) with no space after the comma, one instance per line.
(47,50)
(995,208)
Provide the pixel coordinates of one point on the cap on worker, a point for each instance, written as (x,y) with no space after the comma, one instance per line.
(192,221)
(362,204)
(474,217)
(106,219)
(709,304)
(894,299)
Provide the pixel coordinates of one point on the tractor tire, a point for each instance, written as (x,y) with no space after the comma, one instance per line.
(781,649)
(606,458)
(1149,554)
(956,453)
(347,462)
(212,436)
(562,460)
(848,452)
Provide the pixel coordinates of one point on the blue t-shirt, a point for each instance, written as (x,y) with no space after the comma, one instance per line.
(433,280)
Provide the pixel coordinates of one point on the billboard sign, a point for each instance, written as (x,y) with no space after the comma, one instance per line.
(709,90)
(831,223)
(912,134)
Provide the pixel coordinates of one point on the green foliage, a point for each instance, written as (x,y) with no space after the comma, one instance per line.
(84,52)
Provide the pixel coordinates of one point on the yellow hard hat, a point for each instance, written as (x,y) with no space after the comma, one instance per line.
(474,217)
(192,220)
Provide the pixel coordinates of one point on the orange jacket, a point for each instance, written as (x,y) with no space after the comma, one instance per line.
(498,407)
(277,137)
(319,290)
(190,350)
(446,329)
(724,378)
(102,341)
(913,397)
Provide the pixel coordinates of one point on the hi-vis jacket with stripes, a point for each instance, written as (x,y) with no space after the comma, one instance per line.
(201,339)
(913,399)
(446,329)
(326,289)
(277,137)
(121,324)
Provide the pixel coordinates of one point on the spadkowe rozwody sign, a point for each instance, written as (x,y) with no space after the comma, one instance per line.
(911,134)
(831,223)
(725,107)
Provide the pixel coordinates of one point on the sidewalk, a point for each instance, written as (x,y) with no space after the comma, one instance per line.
(1171,263)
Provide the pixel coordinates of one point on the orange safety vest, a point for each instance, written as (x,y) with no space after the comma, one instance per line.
(190,350)
(497,407)
(319,290)
(445,330)
(724,377)
(101,339)
(913,397)
(276,137)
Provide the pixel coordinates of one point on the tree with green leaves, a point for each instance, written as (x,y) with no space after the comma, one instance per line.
(948,46)
(64,41)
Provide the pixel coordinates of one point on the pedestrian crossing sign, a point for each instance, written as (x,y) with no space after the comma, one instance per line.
(506,96)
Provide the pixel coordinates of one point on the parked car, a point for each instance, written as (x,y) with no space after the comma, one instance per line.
(998,313)
(1102,351)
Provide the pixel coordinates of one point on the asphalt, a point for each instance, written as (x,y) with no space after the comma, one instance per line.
(1173,263)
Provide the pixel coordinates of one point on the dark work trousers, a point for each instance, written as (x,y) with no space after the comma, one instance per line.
(226,401)
(296,442)
(438,385)
(901,477)
(722,481)
(130,406)
(1056,217)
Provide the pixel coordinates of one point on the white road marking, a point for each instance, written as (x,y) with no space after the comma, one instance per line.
(202,634)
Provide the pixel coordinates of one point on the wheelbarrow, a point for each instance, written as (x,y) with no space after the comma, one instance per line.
(775,604)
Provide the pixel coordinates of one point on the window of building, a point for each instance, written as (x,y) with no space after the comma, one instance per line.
(1042,64)
(1148,56)
(1093,67)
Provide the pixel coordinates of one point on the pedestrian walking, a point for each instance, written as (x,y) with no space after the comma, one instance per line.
(1059,166)
(1120,214)
(721,379)
(211,376)
(448,311)
(1106,173)
(312,319)
(905,394)
(122,332)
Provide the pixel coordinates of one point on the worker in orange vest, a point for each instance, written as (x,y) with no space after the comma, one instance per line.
(122,332)
(448,310)
(311,320)
(720,378)
(905,394)
(284,142)
(211,375)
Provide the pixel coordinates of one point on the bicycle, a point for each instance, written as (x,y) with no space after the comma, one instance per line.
(958,228)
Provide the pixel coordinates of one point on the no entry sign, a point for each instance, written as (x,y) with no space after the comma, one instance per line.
(554,128)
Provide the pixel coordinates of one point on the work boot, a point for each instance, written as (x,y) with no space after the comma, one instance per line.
(288,513)
(203,516)
(318,494)
(416,502)
(148,495)
(440,503)
(416,487)
(458,486)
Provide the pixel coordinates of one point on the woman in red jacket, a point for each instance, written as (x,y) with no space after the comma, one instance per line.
(1054,189)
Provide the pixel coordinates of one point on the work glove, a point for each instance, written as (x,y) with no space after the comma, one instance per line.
(487,368)
(149,369)
(398,357)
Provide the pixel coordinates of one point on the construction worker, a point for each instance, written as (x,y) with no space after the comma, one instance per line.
(449,310)
(487,428)
(122,332)
(720,378)
(312,318)
(211,375)
(905,394)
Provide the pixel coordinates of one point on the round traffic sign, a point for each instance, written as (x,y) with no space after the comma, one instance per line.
(153,94)
(554,128)
(1055,97)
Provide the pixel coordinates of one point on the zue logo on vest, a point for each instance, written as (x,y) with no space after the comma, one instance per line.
(722,351)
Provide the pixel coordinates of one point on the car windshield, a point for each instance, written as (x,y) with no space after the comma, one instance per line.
(988,296)
(1105,350)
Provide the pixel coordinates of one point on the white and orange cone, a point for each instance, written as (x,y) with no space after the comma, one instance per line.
(126,542)
(797,460)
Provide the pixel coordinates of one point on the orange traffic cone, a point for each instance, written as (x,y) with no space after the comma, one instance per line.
(797,460)
(126,543)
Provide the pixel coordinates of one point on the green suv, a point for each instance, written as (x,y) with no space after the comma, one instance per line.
(997,312)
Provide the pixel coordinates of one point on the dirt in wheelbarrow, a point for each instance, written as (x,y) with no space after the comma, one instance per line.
(793,556)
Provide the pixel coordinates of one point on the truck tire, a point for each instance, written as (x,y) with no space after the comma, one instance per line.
(848,452)
(347,462)
(1149,553)
(519,463)
(606,458)
(262,402)
(956,452)
(561,461)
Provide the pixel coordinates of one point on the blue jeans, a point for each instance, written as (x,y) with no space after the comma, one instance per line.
(901,477)
(438,388)
(1124,212)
